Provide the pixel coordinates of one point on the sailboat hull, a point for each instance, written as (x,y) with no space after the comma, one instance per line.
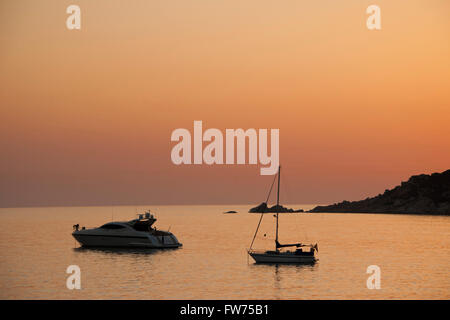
(268,257)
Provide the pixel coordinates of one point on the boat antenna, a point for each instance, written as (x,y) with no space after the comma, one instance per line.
(278,203)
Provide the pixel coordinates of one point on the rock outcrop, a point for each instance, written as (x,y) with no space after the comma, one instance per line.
(263,208)
(421,194)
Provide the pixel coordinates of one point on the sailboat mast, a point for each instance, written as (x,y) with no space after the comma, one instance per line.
(278,191)
(278,203)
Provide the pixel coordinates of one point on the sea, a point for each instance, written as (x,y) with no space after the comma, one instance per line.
(408,254)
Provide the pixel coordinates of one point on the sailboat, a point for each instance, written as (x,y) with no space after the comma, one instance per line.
(299,255)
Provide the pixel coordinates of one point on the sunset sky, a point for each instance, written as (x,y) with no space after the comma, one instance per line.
(87,115)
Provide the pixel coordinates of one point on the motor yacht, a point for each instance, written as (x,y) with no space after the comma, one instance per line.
(137,233)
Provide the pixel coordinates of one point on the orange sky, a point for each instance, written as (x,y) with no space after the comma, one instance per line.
(86,116)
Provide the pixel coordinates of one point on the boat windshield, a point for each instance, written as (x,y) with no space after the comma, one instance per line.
(112,226)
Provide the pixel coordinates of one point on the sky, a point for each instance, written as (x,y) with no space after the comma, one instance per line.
(86,115)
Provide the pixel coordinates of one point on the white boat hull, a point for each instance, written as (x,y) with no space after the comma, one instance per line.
(265,257)
(124,241)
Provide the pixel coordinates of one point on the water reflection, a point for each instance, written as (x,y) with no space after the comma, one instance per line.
(123,251)
(290,269)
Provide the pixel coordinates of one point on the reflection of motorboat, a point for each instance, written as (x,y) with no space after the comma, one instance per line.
(137,233)
(277,255)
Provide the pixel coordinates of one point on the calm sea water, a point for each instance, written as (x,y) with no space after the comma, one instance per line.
(413,253)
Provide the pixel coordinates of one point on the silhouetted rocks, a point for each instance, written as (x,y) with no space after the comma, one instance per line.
(421,194)
(263,208)
(231,211)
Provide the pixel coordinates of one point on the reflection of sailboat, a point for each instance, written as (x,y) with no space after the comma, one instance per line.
(277,255)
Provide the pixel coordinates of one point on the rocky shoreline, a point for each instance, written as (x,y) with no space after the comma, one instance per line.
(421,194)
